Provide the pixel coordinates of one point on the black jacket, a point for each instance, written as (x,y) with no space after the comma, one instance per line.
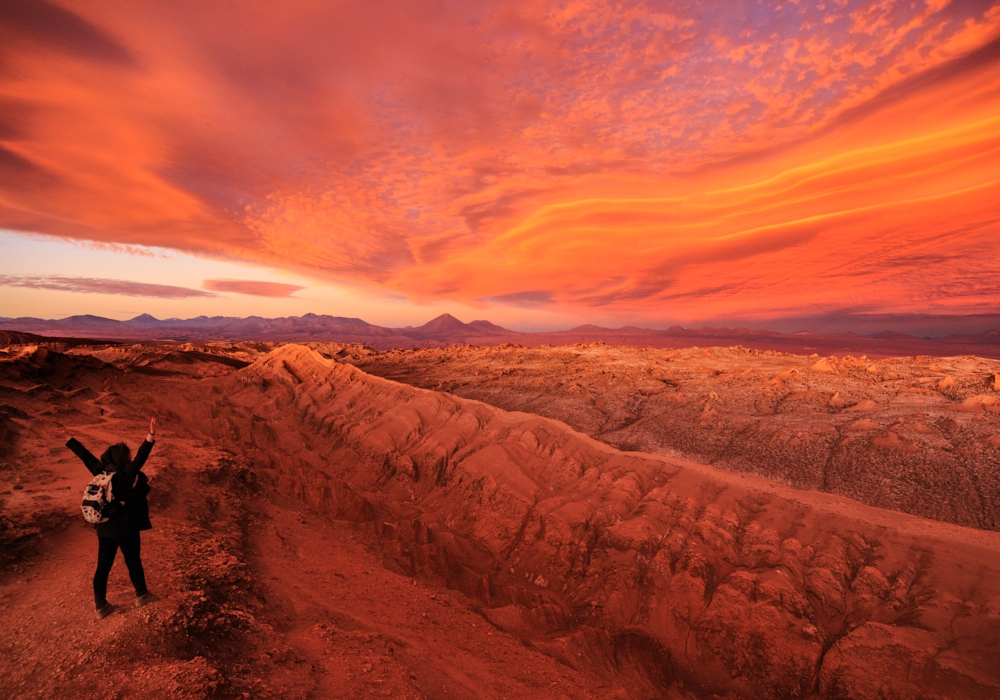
(129,485)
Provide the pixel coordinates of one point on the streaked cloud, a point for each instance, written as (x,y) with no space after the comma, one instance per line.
(711,159)
(43,24)
(97,285)
(253,287)
(536,297)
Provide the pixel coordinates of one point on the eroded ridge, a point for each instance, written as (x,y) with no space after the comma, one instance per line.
(259,597)
(919,435)
(664,573)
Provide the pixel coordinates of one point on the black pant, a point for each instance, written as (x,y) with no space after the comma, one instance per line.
(107,549)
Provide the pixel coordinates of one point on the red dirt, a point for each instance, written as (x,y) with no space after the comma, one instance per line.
(320,532)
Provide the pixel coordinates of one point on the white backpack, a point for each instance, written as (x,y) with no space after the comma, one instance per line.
(97,499)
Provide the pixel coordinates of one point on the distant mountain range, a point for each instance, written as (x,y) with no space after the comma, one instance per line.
(444,329)
(448,330)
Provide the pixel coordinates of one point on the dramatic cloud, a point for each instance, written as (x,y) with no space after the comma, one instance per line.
(252,287)
(677,159)
(91,285)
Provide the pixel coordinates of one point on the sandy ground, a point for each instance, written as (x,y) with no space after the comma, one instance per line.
(321,532)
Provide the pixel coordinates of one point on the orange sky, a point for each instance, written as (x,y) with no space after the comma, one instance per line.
(622,160)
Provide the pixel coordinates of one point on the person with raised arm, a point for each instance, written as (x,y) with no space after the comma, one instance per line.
(124,514)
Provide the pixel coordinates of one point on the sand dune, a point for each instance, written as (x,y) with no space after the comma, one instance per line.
(646,574)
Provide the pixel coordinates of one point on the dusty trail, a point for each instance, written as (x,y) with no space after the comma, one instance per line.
(56,647)
(42,614)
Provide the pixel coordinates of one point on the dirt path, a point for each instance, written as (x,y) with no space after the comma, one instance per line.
(54,646)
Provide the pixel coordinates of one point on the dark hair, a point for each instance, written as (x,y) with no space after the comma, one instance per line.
(116,457)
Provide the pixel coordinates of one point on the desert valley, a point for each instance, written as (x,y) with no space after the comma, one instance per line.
(500,350)
(575,521)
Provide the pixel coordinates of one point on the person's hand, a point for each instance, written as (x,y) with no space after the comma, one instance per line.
(64,432)
(152,426)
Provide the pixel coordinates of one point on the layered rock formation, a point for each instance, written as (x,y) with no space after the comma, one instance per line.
(919,435)
(668,574)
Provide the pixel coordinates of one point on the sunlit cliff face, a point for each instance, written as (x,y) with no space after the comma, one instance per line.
(697,160)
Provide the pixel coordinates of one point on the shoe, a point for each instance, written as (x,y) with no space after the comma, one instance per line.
(105,610)
(145,599)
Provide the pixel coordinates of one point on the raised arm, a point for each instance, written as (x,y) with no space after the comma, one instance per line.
(143,452)
(92,463)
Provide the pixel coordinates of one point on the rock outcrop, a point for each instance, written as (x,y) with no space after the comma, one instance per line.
(916,434)
(667,574)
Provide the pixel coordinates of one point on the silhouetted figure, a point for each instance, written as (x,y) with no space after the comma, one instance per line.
(128,515)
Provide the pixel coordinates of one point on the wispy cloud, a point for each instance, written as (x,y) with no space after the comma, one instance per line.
(537,297)
(96,285)
(622,154)
(252,287)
